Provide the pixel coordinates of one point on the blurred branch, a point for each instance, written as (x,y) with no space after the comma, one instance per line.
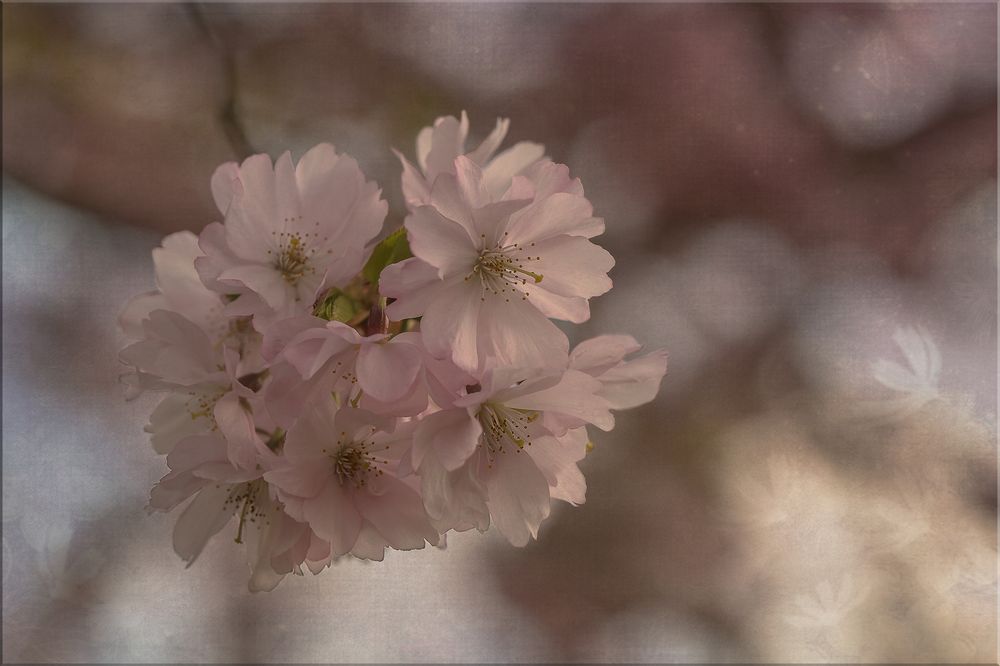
(231,123)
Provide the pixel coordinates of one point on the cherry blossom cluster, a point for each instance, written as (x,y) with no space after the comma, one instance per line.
(332,394)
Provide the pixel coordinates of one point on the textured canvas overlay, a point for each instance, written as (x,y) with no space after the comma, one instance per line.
(802,203)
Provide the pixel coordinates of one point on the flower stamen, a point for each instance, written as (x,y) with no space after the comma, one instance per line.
(295,253)
(503,425)
(355,461)
(502,270)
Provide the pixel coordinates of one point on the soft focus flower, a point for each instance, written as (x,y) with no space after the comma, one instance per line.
(438,146)
(199,467)
(206,380)
(505,450)
(488,273)
(179,290)
(920,378)
(289,231)
(338,477)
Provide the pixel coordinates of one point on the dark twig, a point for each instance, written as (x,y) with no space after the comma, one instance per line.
(230,121)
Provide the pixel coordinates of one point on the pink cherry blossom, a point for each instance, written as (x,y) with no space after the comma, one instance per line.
(183,342)
(205,378)
(289,231)
(179,290)
(505,450)
(488,274)
(338,476)
(199,469)
(438,146)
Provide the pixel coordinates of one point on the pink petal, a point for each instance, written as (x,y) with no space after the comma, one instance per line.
(447,143)
(310,350)
(518,497)
(249,234)
(237,426)
(567,308)
(572,266)
(313,437)
(453,434)
(388,371)
(197,450)
(304,481)
(411,403)
(286,193)
(491,221)
(398,515)
(557,459)
(339,207)
(172,422)
(489,145)
(440,242)
(575,395)
(138,309)
(555,215)
(280,333)
(216,258)
(416,189)
(469,177)
(287,394)
(333,517)
(202,519)
(174,267)
(634,382)
(451,322)
(423,145)
(447,197)
(265,281)
(257,178)
(412,282)
(313,177)
(225,181)
(597,355)
(370,544)
(502,168)
(516,334)
(550,178)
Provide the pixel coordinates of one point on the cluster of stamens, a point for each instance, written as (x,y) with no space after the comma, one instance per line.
(295,252)
(248,496)
(501,270)
(202,406)
(355,461)
(238,334)
(504,426)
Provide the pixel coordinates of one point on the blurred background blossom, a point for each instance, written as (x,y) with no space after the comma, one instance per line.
(802,202)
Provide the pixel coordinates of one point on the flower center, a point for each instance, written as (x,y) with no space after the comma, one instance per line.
(293,262)
(355,462)
(239,334)
(294,257)
(251,498)
(505,428)
(202,405)
(503,270)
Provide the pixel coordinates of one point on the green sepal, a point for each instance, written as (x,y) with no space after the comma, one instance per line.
(336,307)
(393,248)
